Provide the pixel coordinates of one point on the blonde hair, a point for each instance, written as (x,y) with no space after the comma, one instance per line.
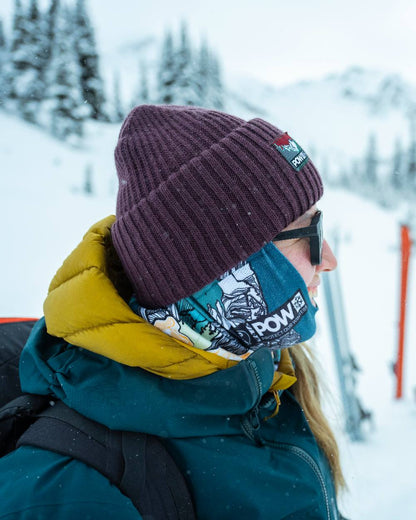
(307,392)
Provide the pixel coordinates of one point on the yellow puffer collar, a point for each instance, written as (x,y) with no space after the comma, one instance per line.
(84,307)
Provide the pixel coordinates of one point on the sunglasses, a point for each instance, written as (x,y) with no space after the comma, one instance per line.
(315,234)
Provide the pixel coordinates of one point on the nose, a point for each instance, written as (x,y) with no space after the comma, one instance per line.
(329,261)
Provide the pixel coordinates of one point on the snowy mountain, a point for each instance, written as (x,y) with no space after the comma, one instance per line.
(333,118)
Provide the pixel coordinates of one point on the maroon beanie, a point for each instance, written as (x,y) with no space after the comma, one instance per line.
(199,191)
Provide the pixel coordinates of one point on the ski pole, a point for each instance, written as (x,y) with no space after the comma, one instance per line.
(405,256)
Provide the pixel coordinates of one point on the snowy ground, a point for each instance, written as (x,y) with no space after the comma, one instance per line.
(44,214)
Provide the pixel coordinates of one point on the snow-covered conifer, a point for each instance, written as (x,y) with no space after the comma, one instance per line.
(411,165)
(88,189)
(66,106)
(118,111)
(2,37)
(186,91)
(50,28)
(167,74)
(356,175)
(371,162)
(208,79)
(18,36)
(3,59)
(397,174)
(27,61)
(217,89)
(144,84)
(91,81)
(202,76)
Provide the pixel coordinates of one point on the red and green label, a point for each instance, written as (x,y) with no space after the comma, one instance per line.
(291,151)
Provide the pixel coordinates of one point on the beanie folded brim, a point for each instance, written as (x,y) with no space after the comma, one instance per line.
(211,213)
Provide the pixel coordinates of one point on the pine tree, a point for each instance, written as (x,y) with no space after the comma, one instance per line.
(3,60)
(397,176)
(50,29)
(91,81)
(118,111)
(371,162)
(356,175)
(67,109)
(208,79)
(2,37)
(186,78)
(88,189)
(203,76)
(144,96)
(18,37)
(411,166)
(29,86)
(167,74)
(186,92)
(217,100)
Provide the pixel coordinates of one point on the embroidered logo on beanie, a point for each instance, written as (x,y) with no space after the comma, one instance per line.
(291,151)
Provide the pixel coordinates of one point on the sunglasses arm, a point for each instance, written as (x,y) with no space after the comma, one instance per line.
(296,233)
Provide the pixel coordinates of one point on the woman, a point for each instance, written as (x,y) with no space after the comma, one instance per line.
(175,318)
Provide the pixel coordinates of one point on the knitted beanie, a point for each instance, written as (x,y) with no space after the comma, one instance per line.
(200,191)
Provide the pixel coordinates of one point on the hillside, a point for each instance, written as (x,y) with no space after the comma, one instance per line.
(334,117)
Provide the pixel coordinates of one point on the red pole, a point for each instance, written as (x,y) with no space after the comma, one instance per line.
(405,247)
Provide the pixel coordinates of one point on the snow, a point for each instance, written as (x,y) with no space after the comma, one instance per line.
(45,213)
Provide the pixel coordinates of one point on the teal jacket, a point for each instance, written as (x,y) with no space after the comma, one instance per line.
(110,365)
(236,464)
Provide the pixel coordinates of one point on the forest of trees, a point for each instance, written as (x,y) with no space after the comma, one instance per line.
(50,70)
(50,75)
(387,180)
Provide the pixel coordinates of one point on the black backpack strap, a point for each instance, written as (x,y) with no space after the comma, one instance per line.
(63,430)
(163,490)
(16,416)
(138,464)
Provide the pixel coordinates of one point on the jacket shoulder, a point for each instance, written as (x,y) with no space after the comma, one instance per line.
(50,485)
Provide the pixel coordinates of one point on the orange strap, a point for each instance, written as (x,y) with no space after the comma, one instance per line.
(11,320)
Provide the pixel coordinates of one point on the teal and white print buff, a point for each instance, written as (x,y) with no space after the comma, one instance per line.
(261,302)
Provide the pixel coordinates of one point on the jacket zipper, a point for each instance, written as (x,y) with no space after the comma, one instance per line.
(251,424)
(311,462)
(251,421)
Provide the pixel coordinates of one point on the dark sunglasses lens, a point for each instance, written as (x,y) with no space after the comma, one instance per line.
(316,242)
(315,246)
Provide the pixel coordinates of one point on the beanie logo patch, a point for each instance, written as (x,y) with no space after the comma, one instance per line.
(291,151)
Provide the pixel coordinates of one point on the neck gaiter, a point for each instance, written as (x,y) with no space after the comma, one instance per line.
(261,302)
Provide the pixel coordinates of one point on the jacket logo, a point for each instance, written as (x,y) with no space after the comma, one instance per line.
(282,320)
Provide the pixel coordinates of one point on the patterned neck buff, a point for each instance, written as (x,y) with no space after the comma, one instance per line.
(261,302)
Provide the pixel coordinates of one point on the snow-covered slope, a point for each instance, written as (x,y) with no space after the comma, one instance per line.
(43,208)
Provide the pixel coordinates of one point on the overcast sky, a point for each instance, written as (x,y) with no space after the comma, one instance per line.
(273,40)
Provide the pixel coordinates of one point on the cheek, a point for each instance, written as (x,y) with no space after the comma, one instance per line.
(307,272)
(299,257)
